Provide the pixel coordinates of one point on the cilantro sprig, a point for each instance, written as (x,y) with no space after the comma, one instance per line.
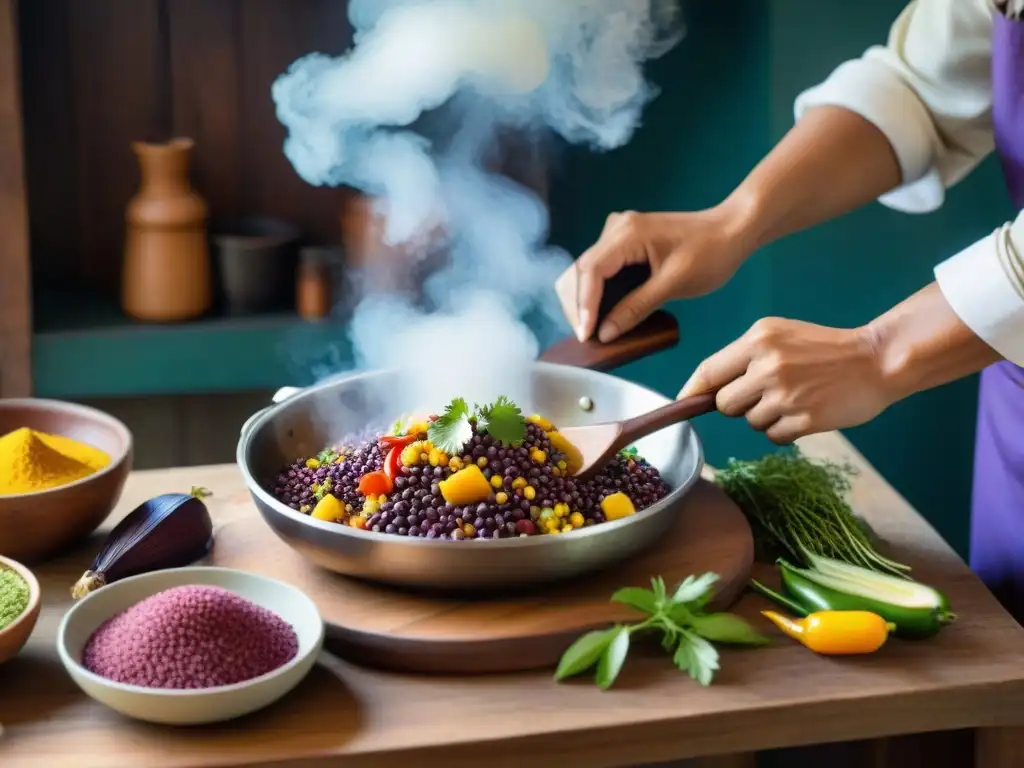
(452,429)
(687,632)
(502,420)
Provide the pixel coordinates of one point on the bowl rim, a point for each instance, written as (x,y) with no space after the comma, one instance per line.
(71,664)
(116,462)
(264,498)
(34,595)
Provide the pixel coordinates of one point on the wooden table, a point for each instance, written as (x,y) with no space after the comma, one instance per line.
(971,676)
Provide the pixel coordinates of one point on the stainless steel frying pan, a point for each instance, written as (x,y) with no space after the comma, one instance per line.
(307,420)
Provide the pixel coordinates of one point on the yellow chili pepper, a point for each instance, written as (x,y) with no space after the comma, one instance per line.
(835,633)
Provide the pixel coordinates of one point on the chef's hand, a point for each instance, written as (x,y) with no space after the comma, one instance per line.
(791,378)
(690,254)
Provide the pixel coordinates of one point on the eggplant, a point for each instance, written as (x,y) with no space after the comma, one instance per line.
(167,531)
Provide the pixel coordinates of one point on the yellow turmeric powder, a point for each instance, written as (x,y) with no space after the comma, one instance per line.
(93,458)
(33,461)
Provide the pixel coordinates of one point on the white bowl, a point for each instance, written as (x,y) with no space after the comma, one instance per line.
(198,706)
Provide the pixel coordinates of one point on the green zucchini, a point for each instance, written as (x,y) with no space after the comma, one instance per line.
(917,610)
(869,578)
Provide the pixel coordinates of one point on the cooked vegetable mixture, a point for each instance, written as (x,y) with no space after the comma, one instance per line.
(481,473)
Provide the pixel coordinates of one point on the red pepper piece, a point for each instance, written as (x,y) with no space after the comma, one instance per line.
(526,526)
(393,462)
(396,441)
(375,484)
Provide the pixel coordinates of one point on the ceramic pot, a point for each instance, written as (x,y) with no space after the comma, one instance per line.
(319,289)
(373,264)
(256,263)
(166,273)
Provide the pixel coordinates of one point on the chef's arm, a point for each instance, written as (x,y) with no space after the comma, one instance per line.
(831,162)
(928,93)
(928,90)
(922,343)
(902,123)
(971,316)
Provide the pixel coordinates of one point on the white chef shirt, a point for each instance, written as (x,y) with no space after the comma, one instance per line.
(929,91)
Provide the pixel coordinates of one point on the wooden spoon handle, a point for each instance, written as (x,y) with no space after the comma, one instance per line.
(673,413)
(658,332)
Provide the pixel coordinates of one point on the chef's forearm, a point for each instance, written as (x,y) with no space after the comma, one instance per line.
(922,343)
(832,162)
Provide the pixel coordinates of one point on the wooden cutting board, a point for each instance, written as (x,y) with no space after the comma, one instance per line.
(393,629)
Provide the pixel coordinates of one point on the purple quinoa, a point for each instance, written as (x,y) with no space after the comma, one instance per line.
(402,484)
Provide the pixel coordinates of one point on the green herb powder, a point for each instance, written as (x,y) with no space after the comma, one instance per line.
(13,596)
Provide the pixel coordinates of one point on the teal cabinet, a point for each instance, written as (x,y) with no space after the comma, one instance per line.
(726,96)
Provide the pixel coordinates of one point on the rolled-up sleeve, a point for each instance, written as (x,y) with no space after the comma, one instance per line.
(984,284)
(929,91)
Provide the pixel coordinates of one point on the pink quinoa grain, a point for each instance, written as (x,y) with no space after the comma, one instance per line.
(190,637)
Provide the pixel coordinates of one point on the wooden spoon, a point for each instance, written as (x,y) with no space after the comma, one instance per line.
(599,443)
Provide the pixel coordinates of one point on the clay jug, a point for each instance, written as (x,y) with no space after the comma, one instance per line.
(375,266)
(166,261)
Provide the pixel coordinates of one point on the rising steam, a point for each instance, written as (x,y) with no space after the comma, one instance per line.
(363,119)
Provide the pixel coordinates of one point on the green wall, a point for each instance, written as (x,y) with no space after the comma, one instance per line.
(727,95)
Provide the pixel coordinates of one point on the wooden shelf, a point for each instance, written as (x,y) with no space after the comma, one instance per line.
(83,346)
(102,75)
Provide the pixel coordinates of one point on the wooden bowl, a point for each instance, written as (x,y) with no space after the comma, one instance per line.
(34,526)
(14,636)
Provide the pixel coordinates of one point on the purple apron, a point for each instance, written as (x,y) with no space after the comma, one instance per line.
(997,504)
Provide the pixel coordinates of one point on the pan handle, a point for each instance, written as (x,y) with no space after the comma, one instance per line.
(658,332)
(280,396)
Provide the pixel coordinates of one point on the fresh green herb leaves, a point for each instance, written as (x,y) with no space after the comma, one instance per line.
(396,428)
(614,656)
(798,507)
(452,430)
(321,489)
(725,628)
(502,420)
(630,452)
(327,456)
(583,654)
(637,597)
(697,657)
(687,632)
(695,589)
